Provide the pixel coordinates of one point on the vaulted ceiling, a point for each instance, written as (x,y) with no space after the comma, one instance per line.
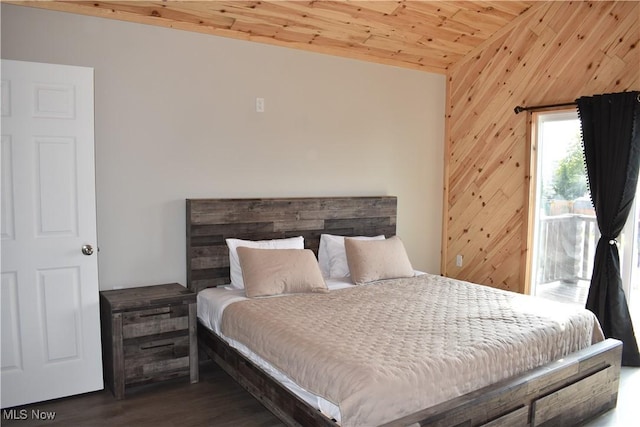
(424,35)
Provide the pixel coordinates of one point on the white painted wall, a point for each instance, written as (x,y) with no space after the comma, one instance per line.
(175,119)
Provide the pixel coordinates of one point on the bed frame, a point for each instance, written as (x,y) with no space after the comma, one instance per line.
(565,392)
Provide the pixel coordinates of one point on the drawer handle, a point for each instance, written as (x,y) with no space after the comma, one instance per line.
(156,346)
(162,313)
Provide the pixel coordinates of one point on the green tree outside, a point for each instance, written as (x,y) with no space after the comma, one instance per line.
(569,179)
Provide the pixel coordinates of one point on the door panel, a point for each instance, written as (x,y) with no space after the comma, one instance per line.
(7,189)
(54,101)
(59,301)
(55,175)
(11,348)
(50,315)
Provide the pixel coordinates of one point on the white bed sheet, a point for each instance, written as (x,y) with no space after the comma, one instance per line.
(211,305)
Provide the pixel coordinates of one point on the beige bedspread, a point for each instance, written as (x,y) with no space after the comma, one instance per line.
(389,349)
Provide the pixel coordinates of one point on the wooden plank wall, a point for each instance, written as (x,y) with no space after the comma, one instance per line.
(556,52)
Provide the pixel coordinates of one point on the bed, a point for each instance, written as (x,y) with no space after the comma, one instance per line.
(565,390)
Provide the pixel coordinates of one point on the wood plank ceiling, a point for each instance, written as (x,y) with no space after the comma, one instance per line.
(425,35)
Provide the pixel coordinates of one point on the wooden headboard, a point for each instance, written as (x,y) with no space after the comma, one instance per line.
(211,221)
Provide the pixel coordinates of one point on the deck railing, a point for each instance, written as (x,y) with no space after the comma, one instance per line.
(567,245)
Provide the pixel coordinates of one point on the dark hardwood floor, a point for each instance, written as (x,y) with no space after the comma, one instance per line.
(217,400)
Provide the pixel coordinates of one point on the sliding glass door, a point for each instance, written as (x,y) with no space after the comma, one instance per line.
(565,231)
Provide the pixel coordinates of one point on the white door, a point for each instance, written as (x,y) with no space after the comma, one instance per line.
(50,313)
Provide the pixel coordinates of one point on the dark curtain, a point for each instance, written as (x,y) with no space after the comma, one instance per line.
(611,138)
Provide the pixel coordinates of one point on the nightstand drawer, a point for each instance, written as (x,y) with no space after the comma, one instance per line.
(152,359)
(155,321)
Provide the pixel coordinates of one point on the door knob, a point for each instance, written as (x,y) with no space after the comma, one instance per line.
(87,249)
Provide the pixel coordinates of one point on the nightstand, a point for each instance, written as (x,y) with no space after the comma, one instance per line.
(148,335)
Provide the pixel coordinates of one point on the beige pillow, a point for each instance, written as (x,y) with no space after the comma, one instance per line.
(280,271)
(331,255)
(371,260)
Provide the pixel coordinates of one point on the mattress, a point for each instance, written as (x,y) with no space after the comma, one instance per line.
(385,350)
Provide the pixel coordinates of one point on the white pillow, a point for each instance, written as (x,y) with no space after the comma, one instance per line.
(234,261)
(332,256)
